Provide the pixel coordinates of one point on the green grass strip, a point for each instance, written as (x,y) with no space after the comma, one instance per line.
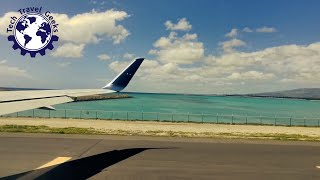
(92,131)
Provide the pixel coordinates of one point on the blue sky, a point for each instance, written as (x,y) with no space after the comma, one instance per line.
(195,56)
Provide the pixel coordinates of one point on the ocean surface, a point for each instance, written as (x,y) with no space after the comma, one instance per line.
(198,104)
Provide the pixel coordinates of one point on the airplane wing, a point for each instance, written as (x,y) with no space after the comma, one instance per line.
(15,101)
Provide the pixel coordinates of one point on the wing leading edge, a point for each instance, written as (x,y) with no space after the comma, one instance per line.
(14,101)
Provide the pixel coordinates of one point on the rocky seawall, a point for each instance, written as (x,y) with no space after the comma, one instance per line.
(101,97)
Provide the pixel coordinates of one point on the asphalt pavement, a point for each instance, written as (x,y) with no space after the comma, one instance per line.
(49,156)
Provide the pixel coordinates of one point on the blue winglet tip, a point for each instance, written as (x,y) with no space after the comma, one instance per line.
(123,79)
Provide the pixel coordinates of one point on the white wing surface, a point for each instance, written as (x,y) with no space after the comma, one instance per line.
(15,101)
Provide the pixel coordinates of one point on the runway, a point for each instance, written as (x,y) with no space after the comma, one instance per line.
(48,156)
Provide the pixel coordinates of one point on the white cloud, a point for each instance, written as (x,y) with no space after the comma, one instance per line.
(233,33)
(93,2)
(228,46)
(118,66)
(182,50)
(251,75)
(69,50)
(7,71)
(180,64)
(271,68)
(128,56)
(5,19)
(182,25)
(155,71)
(247,30)
(104,57)
(63,64)
(90,27)
(78,30)
(266,29)
(146,66)
(294,62)
(213,73)
(3,62)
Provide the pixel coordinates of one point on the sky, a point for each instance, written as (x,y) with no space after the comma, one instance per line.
(198,47)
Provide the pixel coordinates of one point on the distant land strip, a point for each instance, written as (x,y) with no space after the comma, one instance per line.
(302,93)
(280,97)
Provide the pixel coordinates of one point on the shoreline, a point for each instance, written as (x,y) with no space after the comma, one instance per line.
(273,97)
(98,97)
(237,95)
(159,129)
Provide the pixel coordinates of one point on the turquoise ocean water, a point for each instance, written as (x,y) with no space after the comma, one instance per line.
(195,104)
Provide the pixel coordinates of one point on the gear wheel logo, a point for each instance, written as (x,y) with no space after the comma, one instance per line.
(32,32)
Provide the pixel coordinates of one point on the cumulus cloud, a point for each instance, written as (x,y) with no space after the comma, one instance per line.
(271,68)
(174,54)
(251,75)
(247,30)
(184,49)
(81,29)
(294,62)
(266,29)
(5,20)
(157,72)
(63,64)
(92,26)
(147,65)
(118,66)
(69,50)
(182,25)
(93,2)
(89,27)
(8,71)
(104,57)
(128,56)
(233,33)
(228,46)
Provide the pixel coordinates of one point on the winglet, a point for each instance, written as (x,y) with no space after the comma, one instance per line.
(123,79)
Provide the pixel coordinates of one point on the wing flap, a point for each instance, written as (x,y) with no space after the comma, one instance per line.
(8,96)
(16,106)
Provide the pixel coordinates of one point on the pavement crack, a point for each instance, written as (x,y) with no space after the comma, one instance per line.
(89,148)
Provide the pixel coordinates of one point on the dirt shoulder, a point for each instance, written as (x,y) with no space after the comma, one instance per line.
(146,128)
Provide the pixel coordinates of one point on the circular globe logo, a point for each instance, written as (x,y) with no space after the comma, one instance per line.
(32,32)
